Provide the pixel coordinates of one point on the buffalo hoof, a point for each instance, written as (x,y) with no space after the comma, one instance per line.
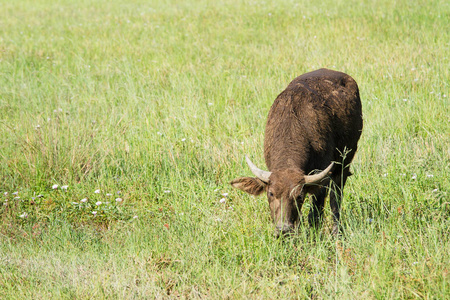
(284,230)
(336,231)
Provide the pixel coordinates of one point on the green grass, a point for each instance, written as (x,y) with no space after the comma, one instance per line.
(139,98)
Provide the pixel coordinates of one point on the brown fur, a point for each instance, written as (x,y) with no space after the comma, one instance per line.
(312,123)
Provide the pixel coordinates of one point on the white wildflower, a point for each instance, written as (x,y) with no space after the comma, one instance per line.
(109,195)
(98,203)
(167,191)
(94,213)
(223,200)
(135,217)
(118,199)
(97,191)
(24,215)
(55,186)
(225,194)
(64,187)
(15,193)
(430,175)
(414,177)
(83,200)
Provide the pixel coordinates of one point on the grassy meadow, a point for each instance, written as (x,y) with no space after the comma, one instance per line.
(122,123)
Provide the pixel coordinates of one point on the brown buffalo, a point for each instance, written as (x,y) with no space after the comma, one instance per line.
(314,124)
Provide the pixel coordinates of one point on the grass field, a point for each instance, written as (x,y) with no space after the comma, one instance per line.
(122,123)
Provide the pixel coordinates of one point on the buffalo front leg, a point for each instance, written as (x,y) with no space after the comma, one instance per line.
(316,210)
(336,192)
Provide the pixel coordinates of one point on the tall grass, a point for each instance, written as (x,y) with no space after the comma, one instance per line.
(155,104)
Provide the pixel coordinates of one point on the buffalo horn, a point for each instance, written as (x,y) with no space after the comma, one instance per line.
(311,179)
(261,174)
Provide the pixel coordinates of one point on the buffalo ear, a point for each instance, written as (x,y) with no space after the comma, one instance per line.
(253,186)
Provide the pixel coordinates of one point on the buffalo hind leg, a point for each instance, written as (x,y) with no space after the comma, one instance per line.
(316,210)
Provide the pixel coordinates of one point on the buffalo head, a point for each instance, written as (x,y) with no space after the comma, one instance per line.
(285,189)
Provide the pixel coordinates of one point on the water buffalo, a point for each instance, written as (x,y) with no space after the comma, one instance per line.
(314,124)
